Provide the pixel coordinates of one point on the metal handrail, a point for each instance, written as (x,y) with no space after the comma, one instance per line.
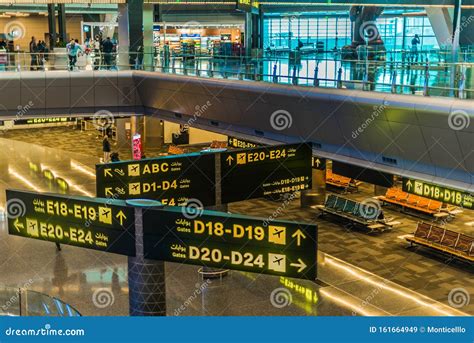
(252,68)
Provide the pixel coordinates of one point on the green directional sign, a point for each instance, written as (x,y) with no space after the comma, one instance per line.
(221,240)
(253,173)
(99,224)
(439,193)
(172,180)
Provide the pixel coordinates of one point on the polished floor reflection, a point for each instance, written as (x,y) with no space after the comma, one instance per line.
(95,283)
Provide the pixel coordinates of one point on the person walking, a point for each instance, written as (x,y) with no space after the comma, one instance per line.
(106,148)
(41,47)
(33,55)
(107,48)
(73,49)
(414,48)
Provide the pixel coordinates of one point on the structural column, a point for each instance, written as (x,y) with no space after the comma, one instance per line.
(209,272)
(123,37)
(248,34)
(153,132)
(136,34)
(62,22)
(52,25)
(146,278)
(317,194)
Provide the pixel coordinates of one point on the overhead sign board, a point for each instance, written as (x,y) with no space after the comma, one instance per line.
(235,142)
(244,5)
(44,120)
(98,224)
(439,193)
(221,240)
(172,180)
(253,173)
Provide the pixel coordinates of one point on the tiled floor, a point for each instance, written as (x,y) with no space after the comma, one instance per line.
(76,274)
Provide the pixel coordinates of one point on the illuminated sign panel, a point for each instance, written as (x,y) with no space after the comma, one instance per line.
(439,193)
(169,179)
(221,240)
(44,120)
(244,5)
(241,143)
(98,224)
(253,173)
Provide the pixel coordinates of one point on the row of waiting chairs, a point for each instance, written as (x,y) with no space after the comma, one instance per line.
(398,197)
(340,181)
(175,150)
(368,215)
(444,240)
(218,145)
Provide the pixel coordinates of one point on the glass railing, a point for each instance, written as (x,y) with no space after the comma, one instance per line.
(23,302)
(401,72)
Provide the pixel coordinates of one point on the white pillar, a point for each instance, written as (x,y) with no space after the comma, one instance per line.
(123,37)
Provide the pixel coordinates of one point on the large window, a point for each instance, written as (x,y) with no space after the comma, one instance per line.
(329,32)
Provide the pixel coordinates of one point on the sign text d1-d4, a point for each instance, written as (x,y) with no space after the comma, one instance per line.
(172,180)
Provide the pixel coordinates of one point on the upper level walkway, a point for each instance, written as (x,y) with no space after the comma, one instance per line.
(426,73)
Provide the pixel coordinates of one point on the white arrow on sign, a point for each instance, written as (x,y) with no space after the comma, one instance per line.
(300,265)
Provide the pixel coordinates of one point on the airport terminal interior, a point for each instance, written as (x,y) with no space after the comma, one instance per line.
(349,123)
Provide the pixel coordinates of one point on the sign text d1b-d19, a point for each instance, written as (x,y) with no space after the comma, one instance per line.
(172,180)
(439,193)
(98,224)
(221,240)
(257,172)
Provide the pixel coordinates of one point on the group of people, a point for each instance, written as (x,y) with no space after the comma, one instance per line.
(102,52)
(38,53)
